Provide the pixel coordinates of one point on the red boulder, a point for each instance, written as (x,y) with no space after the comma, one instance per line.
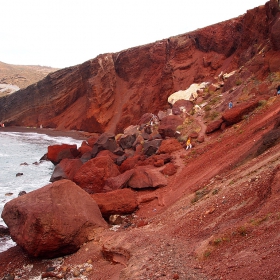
(147,177)
(66,169)
(58,152)
(54,220)
(129,163)
(169,170)
(122,201)
(169,145)
(181,104)
(234,115)
(213,126)
(85,148)
(168,126)
(92,175)
(118,182)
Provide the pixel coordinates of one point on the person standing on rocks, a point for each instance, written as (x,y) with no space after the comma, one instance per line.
(230,105)
(188,144)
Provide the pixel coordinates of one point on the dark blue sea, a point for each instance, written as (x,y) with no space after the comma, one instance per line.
(21,153)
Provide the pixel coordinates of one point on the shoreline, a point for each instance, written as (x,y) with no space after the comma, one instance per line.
(78,135)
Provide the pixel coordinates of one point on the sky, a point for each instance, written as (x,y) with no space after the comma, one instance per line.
(62,33)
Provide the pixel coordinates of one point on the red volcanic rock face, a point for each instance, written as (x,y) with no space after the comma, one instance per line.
(275,34)
(122,201)
(113,91)
(58,152)
(92,175)
(45,223)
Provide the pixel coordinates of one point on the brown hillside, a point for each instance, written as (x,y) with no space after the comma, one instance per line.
(22,75)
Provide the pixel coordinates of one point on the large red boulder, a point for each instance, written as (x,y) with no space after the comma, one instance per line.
(85,148)
(147,177)
(180,105)
(54,220)
(106,141)
(66,169)
(234,115)
(168,125)
(156,160)
(169,145)
(107,153)
(92,139)
(92,175)
(119,181)
(151,147)
(123,201)
(58,152)
(213,126)
(129,163)
(170,169)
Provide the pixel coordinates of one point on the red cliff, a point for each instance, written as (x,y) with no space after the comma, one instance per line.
(113,90)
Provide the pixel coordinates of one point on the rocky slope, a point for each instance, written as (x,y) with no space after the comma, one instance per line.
(20,76)
(216,218)
(217,215)
(114,90)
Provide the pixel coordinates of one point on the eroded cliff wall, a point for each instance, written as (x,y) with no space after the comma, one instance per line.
(113,90)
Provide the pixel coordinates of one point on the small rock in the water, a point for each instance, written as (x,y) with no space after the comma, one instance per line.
(8,194)
(19,174)
(21,193)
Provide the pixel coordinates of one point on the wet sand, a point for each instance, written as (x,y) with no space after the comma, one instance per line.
(80,135)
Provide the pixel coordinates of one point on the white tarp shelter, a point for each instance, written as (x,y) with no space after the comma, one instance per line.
(188,94)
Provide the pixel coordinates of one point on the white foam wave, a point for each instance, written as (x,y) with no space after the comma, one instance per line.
(38,137)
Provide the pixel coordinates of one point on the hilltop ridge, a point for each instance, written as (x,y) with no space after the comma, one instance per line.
(21,76)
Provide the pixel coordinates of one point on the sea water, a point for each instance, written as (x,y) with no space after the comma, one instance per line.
(21,153)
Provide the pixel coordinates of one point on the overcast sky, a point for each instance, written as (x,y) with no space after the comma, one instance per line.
(62,33)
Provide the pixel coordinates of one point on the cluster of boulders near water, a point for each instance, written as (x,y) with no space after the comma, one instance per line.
(103,179)
(90,184)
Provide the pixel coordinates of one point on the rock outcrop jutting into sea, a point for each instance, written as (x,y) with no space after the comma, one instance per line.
(113,90)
